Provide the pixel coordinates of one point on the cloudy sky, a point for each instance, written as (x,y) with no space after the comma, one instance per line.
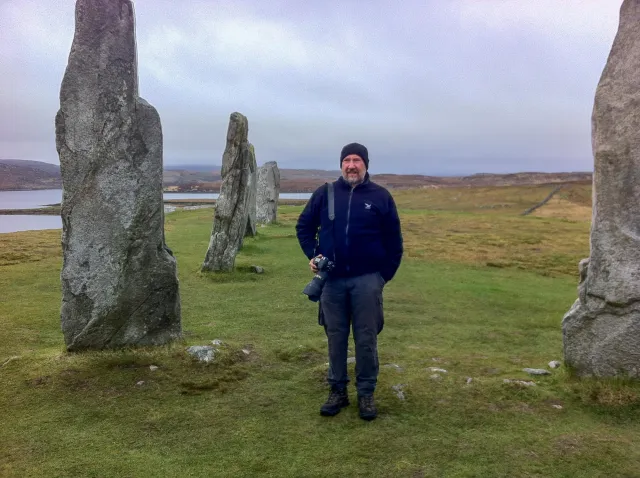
(429,86)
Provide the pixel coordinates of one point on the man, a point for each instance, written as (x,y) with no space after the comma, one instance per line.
(365,243)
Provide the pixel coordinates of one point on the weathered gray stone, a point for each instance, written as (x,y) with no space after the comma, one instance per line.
(232,207)
(203,353)
(268,193)
(252,193)
(119,281)
(601,332)
(257,269)
(554,364)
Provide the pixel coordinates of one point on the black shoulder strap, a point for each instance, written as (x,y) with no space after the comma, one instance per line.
(331,202)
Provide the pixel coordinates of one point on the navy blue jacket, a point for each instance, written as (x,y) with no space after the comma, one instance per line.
(365,235)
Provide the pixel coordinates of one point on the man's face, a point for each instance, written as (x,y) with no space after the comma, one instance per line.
(353,169)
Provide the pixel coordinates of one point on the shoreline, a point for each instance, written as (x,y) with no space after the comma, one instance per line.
(184,191)
(54,209)
(41,211)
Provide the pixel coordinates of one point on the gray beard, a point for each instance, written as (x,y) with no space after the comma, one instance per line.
(352,181)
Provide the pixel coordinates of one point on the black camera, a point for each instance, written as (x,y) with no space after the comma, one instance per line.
(314,288)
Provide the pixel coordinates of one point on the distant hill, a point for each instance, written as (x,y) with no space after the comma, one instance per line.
(300,183)
(181,178)
(484,179)
(192,167)
(18,174)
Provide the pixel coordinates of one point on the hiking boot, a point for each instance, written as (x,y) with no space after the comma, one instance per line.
(367,406)
(338,399)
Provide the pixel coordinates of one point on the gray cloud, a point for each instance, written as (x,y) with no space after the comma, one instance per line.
(450,87)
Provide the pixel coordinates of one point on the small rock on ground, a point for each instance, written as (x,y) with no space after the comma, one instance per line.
(204,353)
(536,371)
(399,389)
(520,382)
(393,365)
(436,369)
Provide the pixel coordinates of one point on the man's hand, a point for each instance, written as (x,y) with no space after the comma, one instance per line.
(313,267)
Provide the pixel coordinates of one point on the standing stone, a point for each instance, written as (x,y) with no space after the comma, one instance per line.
(601,332)
(232,205)
(119,281)
(268,193)
(252,192)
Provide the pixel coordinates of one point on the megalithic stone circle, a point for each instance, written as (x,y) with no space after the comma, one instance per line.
(268,193)
(119,279)
(252,192)
(601,332)
(232,206)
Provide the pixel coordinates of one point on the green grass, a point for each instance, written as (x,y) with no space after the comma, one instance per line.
(87,414)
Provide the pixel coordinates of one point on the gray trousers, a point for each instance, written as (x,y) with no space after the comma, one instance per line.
(353,302)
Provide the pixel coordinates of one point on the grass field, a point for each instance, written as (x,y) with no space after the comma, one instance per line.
(481,293)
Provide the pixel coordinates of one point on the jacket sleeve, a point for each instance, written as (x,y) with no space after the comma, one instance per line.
(392,240)
(309,223)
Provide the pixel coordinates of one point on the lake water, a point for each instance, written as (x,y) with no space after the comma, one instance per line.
(45,197)
(36,199)
(29,223)
(170,196)
(29,199)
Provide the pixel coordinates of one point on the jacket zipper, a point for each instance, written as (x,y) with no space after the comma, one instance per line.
(346,231)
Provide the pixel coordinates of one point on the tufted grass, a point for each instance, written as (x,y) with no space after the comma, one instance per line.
(472,297)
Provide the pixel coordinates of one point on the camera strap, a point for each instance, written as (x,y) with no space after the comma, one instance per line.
(331,206)
(331,202)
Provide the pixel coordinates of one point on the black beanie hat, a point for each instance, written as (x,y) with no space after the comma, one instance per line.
(355,148)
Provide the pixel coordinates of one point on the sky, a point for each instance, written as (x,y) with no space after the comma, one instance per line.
(438,87)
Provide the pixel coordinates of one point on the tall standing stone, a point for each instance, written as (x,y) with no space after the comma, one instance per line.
(252,192)
(119,281)
(268,193)
(601,332)
(232,205)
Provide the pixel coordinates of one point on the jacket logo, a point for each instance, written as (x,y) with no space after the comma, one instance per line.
(367,205)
